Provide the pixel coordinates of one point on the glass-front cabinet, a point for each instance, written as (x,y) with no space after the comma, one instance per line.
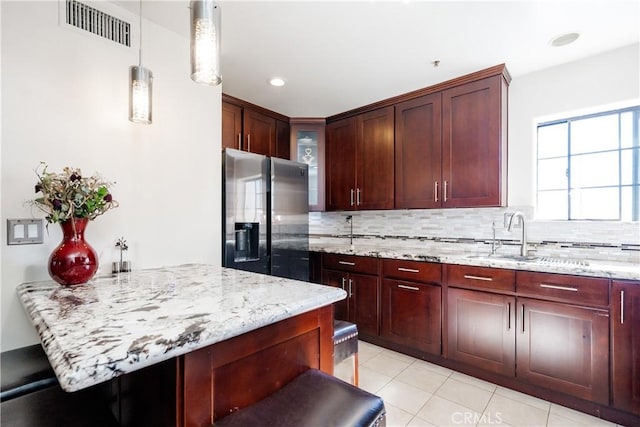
(307,139)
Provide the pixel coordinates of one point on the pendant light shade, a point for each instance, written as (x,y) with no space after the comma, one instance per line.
(140,94)
(205,42)
(140,87)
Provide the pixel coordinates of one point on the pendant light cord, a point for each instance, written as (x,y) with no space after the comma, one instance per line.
(140,45)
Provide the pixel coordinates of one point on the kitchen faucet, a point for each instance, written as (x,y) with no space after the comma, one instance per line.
(350,221)
(523,248)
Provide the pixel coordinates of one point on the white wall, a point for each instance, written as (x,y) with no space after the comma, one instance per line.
(584,86)
(65,101)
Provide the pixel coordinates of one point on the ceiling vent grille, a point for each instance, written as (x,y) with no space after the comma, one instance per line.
(96,22)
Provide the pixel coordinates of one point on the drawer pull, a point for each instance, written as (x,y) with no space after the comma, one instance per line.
(408,270)
(486,279)
(346,263)
(622,307)
(411,288)
(560,288)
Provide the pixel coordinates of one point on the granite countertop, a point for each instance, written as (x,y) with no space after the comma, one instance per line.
(114,325)
(458,254)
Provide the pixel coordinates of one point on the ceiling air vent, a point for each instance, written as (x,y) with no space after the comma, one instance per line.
(96,22)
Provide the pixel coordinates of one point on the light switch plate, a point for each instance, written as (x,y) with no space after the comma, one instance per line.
(24,231)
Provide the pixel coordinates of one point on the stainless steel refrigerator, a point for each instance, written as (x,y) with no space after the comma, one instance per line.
(266,221)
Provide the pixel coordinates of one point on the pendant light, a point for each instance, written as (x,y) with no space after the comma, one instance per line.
(205,42)
(140,87)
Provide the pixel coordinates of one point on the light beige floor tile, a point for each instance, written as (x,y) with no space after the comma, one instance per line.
(399,356)
(577,418)
(371,380)
(433,367)
(386,365)
(465,394)
(473,381)
(396,416)
(424,378)
(522,397)
(366,351)
(419,422)
(444,413)
(404,396)
(515,413)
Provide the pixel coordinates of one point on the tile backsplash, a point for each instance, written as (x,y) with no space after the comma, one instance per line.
(614,241)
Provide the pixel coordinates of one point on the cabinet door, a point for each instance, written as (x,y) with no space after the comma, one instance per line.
(260,132)
(341,164)
(282,147)
(625,348)
(363,307)
(411,314)
(374,160)
(564,347)
(474,147)
(338,279)
(418,148)
(481,330)
(231,126)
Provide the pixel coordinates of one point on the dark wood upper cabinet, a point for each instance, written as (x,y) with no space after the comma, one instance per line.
(255,129)
(564,347)
(360,161)
(260,132)
(625,348)
(418,149)
(231,126)
(374,160)
(340,164)
(474,141)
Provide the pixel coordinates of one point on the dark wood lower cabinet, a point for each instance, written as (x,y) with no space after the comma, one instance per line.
(361,305)
(625,321)
(481,330)
(411,314)
(564,348)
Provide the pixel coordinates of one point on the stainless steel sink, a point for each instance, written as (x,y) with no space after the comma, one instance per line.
(534,259)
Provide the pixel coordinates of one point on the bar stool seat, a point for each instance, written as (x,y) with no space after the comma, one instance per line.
(345,351)
(313,399)
(25,370)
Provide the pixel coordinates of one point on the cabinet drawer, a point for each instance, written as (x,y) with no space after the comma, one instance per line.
(415,271)
(560,287)
(481,277)
(360,264)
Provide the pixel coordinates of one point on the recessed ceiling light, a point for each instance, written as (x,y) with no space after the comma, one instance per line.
(276,82)
(564,39)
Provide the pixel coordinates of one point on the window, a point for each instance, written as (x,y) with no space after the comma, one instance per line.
(589,167)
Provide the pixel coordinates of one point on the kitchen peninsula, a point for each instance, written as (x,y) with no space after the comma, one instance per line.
(203,328)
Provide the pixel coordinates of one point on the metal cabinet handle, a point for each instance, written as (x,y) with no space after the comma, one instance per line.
(249,142)
(350,283)
(358,192)
(346,263)
(622,307)
(508,316)
(351,198)
(486,279)
(411,288)
(344,281)
(445,191)
(435,192)
(408,270)
(522,318)
(561,288)
(240,141)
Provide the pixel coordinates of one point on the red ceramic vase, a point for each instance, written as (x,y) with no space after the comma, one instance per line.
(74,261)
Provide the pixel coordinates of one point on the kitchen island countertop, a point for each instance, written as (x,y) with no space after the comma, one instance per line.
(115,325)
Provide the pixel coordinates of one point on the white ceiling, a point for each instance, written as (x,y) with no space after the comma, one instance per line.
(339,55)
